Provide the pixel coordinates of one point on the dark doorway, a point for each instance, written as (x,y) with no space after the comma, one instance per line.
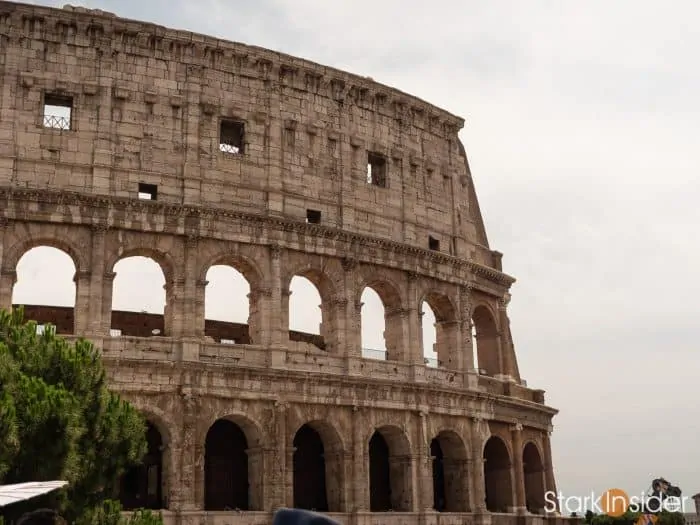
(439,496)
(226,468)
(379,474)
(141,486)
(309,471)
(497,476)
(534,479)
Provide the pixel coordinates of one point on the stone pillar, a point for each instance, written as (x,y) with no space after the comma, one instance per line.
(466,341)
(550,483)
(259,316)
(81,312)
(415,328)
(448,345)
(200,296)
(351,329)
(424,497)
(479,431)
(360,463)
(279,323)
(174,314)
(289,476)
(191,468)
(518,470)
(278,475)
(185,321)
(96,324)
(107,290)
(8,278)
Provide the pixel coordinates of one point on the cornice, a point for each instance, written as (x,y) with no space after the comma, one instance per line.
(108,34)
(180,215)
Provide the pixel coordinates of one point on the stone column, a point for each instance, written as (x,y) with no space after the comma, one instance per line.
(466,342)
(351,329)
(107,290)
(479,430)
(278,475)
(185,306)
(360,463)
(425,501)
(8,276)
(191,471)
(200,295)
(279,323)
(550,483)
(415,328)
(97,325)
(518,470)
(81,312)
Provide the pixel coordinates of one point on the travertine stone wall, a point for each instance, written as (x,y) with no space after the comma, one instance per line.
(149,108)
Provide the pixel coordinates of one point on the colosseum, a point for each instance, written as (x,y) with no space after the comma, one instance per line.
(122,139)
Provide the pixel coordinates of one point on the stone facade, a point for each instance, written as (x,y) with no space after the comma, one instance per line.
(121,138)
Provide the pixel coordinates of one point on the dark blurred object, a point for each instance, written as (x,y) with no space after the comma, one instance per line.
(42,517)
(301,517)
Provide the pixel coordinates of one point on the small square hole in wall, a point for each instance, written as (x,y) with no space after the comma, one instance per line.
(376,170)
(231,137)
(58,110)
(148,192)
(313,216)
(433,243)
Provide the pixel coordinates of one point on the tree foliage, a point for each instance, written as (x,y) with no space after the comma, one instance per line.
(631,517)
(58,420)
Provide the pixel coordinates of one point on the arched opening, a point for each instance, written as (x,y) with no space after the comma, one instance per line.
(440,341)
(46,288)
(310,319)
(138,298)
(227,306)
(142,485)
(430,355)
(373,322)
(389,471)
(309,471)
(486,335)
(226,479)
(533,470)
(497,476)
(450,487)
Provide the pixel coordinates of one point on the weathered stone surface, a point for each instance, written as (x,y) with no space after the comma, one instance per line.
(287,194)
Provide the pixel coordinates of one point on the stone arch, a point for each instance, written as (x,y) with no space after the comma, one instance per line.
(251,331)
(389,294)
(534,477)
(318,467)
(498,477)
(143,485)
(329,287)
(486,339)
(14,253)
(165,426)
(446,328)
(390,479)
(233,464)
(450,477)
(148,324)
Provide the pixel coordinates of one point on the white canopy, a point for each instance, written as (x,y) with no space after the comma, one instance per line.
(23,491)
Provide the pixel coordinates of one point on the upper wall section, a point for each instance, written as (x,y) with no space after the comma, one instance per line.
(98,104)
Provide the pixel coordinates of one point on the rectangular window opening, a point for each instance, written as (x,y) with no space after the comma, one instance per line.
(433,243)
(148,192)
(376,170)
(313,216)
(231,137)
(58,111)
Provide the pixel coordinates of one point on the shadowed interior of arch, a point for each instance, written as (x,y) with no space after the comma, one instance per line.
(142,486)
(485,340)
(389,471)
(497,476)
(450,482)
(534,473)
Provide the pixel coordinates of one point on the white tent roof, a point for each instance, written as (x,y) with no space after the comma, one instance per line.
(23,491)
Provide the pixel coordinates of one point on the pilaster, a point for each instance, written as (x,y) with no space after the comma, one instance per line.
(518,470)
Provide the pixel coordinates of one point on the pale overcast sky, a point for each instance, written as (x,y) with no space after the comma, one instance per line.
(582,134)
